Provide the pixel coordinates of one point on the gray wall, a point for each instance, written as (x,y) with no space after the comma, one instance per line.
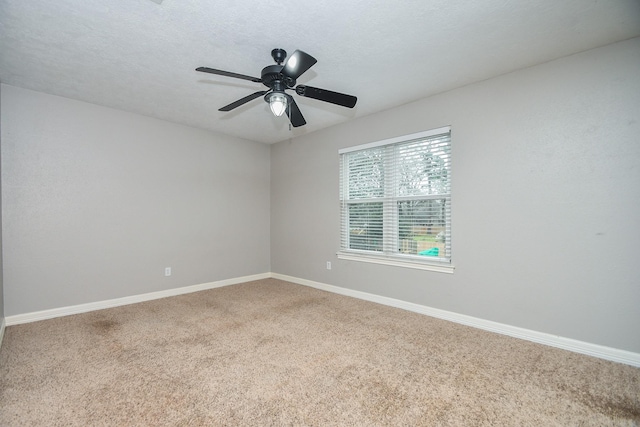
(97,202)
(545,201)
(1,256)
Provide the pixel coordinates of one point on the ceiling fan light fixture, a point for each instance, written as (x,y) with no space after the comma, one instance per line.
(278,103)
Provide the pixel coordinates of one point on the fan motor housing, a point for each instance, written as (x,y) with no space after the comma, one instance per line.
(272,74)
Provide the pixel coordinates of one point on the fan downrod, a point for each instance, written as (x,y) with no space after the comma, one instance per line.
(279,55)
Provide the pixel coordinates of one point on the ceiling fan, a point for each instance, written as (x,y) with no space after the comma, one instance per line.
(279,78)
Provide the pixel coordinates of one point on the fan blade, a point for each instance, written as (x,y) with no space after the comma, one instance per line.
(294,113)
(298,63)
(228,74)
(243,101)
(327,96)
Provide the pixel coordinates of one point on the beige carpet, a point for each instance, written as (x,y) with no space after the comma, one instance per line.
(272,353)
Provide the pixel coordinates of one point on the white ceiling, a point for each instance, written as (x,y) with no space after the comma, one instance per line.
(141,55)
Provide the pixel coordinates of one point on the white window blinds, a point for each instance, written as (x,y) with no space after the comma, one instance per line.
(395,198)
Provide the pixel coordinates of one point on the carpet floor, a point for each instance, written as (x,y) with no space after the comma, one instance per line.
(273,353)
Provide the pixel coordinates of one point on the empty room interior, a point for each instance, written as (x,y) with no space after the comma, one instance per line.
(320,213)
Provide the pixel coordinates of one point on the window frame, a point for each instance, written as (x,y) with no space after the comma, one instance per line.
(390,238)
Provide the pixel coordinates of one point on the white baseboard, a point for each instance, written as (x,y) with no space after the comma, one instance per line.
(2,326)
(602,352)
(83,308)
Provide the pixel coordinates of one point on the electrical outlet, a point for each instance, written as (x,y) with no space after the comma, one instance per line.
(328,265)
(167,271)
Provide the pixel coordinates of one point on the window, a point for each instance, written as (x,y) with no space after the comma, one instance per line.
(395,200)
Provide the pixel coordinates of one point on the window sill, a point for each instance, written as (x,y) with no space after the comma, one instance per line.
(396,262)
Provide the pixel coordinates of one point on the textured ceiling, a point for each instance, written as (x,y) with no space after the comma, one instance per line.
(140,55)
